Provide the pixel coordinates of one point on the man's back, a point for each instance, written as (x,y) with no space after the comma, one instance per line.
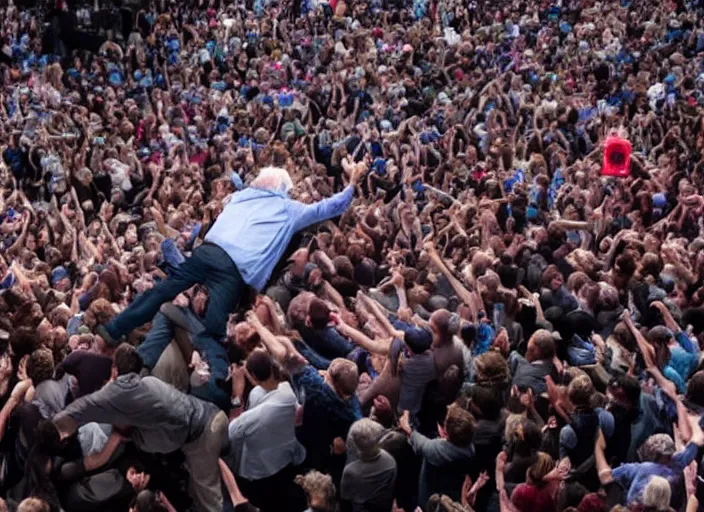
(161,418)
(370,483)
(263,438)
(256,226)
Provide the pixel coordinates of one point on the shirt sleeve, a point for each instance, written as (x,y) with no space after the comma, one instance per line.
(686,343)
(309,380)
(98,407)
(430,449)
(305,215)
(671,374)
(684,458)
(625,473)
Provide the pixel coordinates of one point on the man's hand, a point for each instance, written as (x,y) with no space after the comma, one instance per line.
(358,173)
(404,423)
(253,319)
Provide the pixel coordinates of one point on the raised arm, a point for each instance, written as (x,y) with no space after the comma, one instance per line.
(362,340)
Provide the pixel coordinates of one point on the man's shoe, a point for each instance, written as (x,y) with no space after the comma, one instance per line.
(111,342)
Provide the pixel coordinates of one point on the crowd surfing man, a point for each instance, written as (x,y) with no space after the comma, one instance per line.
(354,256)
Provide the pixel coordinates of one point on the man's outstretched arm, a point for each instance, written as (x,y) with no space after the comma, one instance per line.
(308,214)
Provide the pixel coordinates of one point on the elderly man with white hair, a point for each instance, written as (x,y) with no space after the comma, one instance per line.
(241,248)
(370,474)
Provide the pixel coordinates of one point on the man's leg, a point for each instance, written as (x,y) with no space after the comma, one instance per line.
(158,338)
(202,461)
(172,368)
(225,287)
(144,307)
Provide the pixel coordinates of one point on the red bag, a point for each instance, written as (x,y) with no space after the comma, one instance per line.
(617,157)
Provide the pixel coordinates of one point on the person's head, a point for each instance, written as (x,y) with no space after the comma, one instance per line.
(523,436)
(625,391)
(491,368)
(656,495)
(365,435)
(695,389)
(126,360)
(552,278)
(459,426)
(482,401)
(40,366)
(660,337)
(318,314)
(273,179)
(138,477)
(342,376)
(541,346)
(261,367)
(33,505)
(145,501)
(383,412)
(539,469)
(320,491)
(657,448)
(60,279)
(580,392)
(444,325)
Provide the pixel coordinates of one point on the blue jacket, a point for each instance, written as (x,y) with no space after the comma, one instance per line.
(257,225)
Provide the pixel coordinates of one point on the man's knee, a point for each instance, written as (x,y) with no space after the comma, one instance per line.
(172,368)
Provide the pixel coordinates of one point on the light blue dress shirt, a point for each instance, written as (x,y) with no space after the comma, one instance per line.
(257,225)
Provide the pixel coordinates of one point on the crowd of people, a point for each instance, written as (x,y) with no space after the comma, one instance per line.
(354,256)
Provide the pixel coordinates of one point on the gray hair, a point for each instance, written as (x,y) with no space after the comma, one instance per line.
(657,494)
(656,447)
(364,436)
(274,179)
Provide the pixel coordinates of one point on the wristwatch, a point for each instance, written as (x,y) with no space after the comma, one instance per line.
(236,402)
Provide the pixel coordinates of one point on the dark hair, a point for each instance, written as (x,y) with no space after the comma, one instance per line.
(631,387)
(38,481)
(459,425)
(261,366)
(23,341)
(450,383)
(319,314)
(40,366)
(487,400)
(146,501)
(127,360)
(695,388)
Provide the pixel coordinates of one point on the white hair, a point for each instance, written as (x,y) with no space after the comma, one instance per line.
(274,179)
(364,436)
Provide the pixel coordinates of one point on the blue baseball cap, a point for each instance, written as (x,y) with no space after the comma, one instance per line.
(58,274)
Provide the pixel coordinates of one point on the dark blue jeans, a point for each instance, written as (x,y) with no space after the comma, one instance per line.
(210,266)
(161,334)
(213,352)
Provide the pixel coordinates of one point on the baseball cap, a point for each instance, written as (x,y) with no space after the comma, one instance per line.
(58,274)
(418,340)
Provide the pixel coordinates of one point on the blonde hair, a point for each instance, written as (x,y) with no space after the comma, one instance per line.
(318,484)
(540,468)
(657,494)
